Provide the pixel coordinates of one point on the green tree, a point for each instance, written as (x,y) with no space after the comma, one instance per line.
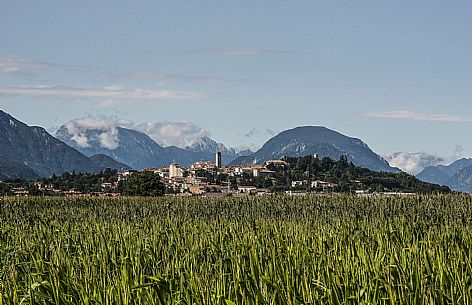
(144,184)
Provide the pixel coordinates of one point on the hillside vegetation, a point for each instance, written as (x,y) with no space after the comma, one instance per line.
(343,175)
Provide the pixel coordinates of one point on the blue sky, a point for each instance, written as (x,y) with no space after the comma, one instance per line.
(397,74)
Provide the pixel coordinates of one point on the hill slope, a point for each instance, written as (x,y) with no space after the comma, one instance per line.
(348,177)
(37,150)
(302,141)
(136,148)
(124,145)
(456,175)
(104,161)
(461,181)
(12,169)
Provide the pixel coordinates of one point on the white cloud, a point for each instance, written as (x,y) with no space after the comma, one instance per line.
(411,115)
(109,139)
(240,51)
(84,130)
(180,134)
(81,139)
(164,78)
(103,92)
(15,63)
(413,163)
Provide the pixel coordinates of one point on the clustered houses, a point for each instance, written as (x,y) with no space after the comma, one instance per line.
(206,178)
(107,189)
(123,175)
(314,184)
(200,178)
(203,178)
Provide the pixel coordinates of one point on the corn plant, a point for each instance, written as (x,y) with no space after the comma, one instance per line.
(325,249)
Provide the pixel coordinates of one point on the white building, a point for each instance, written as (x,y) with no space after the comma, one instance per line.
(246,188)
(175,171)
(124,175)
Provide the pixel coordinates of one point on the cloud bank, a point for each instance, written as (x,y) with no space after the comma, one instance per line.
(104,131)
(180,134)
(164,78)
(101,92)
(414,163)
(411,115)
(15,63)
(240,51)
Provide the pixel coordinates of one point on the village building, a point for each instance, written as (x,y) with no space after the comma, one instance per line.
(175,171)
(247,188)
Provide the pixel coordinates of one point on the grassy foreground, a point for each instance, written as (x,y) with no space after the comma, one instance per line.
(265,250)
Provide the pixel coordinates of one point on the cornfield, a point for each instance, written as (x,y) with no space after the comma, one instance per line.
(336,249)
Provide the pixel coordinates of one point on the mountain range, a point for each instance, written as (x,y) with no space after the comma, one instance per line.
(458,175)
(31,152)
(309,140)
(137,149)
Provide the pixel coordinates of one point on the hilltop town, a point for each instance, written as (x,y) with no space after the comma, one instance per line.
(291,175)
(207,177)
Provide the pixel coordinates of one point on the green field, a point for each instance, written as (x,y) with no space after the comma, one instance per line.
(337,249)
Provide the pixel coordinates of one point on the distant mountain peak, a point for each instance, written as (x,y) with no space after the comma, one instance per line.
(458,175)
(87,136)
(124,145)
(138,150)
(207,145)
(462,180)
(244,152)
(309,140)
